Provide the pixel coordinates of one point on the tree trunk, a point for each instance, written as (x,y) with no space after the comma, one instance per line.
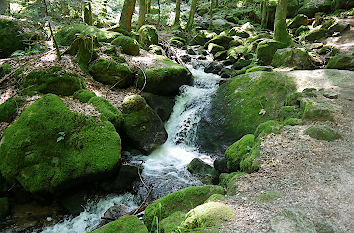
(178,12)
(88,13)
(142,12)
(159,19)
(264,22)
(280,28)
(148,6)
(4,7)
(125,21)
(211,14)
(191,15)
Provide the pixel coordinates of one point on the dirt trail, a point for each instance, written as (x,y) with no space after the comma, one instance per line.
(315,177)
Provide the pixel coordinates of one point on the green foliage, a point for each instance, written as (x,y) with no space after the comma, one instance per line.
(108,111)
(126,224)
(322,133)
(182,200)
(128,45)
(30,153)
(8,110)
(53,81)
(83,95)
(4,69)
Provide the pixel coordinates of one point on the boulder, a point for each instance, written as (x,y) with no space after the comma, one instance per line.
(53,80)
(266,50)
(67,34)
(318,110)
(202,37)
(310,7)
(291,221)
(211,214)
(165,78)
(344,4)
(49,147)
(213,67)
(155,49)
(127,44)
(148,35)
(240,105)
(321,132)
(8,110)
(12,36)
(171,223)
(296,58)
(162,105)
(182,200)
(142,126)
(267,127)
(220,164)
(338,26)
(299,20)
(234,53)
(238,151)
(126,224)
(178,42)
(341,62)
(214,48)
(207,173)
(315,35)
(222,39)
(83,95)
(111,73)
(4,207)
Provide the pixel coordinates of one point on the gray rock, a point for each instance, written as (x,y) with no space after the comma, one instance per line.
(292,221)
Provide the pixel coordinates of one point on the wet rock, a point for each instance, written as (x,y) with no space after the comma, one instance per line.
(220,164)
(190,51)
(73,203)
(124,181)
(225,73)
(213,67)
(292,221)
(207,173)
(219,56)
(116,211)
(162,105)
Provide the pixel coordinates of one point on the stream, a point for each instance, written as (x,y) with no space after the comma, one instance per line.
(164,168)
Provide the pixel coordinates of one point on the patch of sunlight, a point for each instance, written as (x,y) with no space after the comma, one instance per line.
(16,8)
(311,79)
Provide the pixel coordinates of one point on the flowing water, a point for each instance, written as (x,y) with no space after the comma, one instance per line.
(164,168)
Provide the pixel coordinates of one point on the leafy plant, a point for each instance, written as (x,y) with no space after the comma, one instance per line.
(61,136)
(155,228)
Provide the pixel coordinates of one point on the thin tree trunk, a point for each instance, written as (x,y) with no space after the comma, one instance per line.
(125,21)
(177,13)
(211,14)
(51,32)
(148,6)
(280,28)
(159,19)
(142,13)
(191,15)
(4,7)
(264,22)
(88,19)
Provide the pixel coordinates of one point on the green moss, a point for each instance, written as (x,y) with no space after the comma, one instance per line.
(248,164)
(11,38)
(4,69)
(126,224)
(148,35)
(111,73)
(289,112)
(4,207)
(238,151)
(320,132)
(314,35)
(341,62)
(178,42)
(49,147)
(8,110)
(268,196)
(292,121)
(155,49)
(67,34)
(299,20)
(83,95)
(222,39)
(165,80)
(171,223)
(226,178)
(182,200)
(216,198)
(259,68)
(127,44)
(294,99)
(267,127)
(210,214)
(266,50)
(233,54)
(214,48)
(52,81)
(316,110)
(108,111)
(297,58)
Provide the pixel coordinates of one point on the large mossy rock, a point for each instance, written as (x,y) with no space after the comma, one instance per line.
(49,147)
(128,45)
(211,214)
(84,95)
(240,105)
(320,132)
(11,36)
(126,224)
(222,40)
(318,110)
(182,200)
(66,35)
(8,110)
(238,151)
(148,35)
(298,21)
(310,7)
(111,73)
(142,126)
(164,79)
(172,222)
(296,58)
(54,81)
(292,220)
(206,173)
(341,62)
(315,35)
(266,50)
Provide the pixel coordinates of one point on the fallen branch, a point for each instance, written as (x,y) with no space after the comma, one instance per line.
(144,81)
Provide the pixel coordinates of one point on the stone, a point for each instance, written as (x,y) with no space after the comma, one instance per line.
(320,132)
(8,110)
(12,36)
(214,48)
(222,39)
(238,151)
(310,7)
(162,105)
(128,45)
(126,224)
(4,207)
(266,50)
(220,164)
(291,221)
(207,173)
(296,58)
(341,62)
(315,35)
(299,20)
(148,35)
(213,67)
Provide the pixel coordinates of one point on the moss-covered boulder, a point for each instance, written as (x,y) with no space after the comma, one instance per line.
(310,7)
(126,224)
(341,62)
(258,68)
(214,48)
(317,110)
(11,36)
(226,178)
(178,42)
(267,127)
(222,39)
(162,105)
(8,110)
(315,34)
(296,58)
(4,207)
(84,95)
(155,49)
(182,200)
(49,147)
(165,79)
(291,220)
(266,50)
(67,34)
(238,151)
(204,171)
(53,80)
(171,223)
(142,126)
(240,105)
(111,73)
(211,214)
(321,132)
(148,35)
(344,4)
(127,44)
(299,20)
(235,53)
(108,111)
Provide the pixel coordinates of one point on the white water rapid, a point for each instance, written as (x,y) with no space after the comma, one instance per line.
(164,168)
